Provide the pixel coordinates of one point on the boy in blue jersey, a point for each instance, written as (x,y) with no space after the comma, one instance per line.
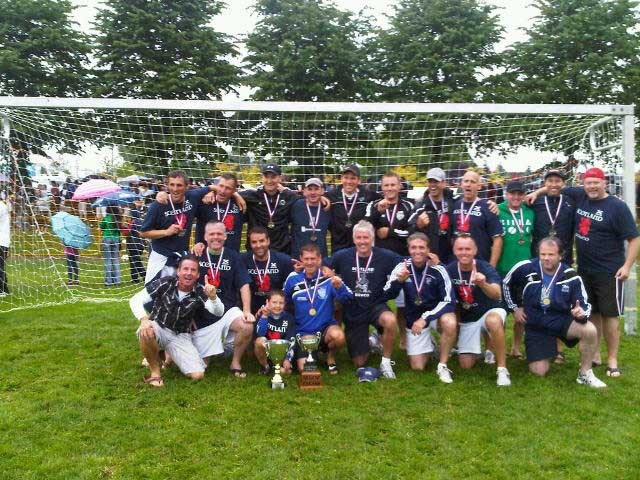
(274,323)
(549,298)
(365,269)
(312,295)
(479,291)
(168,225)
(429,304)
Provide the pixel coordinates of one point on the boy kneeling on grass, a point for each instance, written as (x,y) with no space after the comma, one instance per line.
(274,323)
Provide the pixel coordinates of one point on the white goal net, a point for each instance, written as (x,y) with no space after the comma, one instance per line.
(49,146)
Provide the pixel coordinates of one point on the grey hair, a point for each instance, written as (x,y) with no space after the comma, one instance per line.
(364,226)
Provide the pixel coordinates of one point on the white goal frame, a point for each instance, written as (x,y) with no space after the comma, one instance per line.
(624,112)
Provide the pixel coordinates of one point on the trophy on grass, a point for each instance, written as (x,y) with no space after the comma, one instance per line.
(277,351)
(310,377)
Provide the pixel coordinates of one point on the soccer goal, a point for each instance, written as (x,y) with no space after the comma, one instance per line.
(136,142)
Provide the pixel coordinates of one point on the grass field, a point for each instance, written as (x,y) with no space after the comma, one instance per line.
(73,405)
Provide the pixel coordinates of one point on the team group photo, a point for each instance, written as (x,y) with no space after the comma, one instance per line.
(319,238)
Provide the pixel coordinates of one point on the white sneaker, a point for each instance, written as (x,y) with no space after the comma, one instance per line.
(590,380)
(374,343)
(444,374)
(386,369)
(3,294)
(504,379)
(489,357)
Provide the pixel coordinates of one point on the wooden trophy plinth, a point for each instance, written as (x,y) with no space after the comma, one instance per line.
(310,380)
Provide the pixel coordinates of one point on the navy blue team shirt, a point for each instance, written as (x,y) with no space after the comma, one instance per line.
(301,230)
(233,221)
(484,225)
(273,275)
(479,302)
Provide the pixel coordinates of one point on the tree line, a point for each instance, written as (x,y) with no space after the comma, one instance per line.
(576,51)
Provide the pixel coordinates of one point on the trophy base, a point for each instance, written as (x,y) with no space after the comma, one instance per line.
(277,385)
(310,380)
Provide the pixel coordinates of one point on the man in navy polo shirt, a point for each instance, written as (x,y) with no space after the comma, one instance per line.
(429,304)
(267,268)
(309,220)
(479,292)
(471,216)
(168,226)
(220,267)
(365,269)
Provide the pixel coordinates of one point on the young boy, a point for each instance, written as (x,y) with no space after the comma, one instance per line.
(273,324)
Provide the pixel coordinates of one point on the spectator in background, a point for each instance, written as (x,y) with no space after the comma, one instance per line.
(5,241)
(110,228)
(72,254)
(135,243)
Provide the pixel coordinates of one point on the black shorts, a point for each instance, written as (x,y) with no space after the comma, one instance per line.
(601,291)
(540,342)
(323,347)
(356,328)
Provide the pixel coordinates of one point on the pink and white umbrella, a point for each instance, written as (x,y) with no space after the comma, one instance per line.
(96,187)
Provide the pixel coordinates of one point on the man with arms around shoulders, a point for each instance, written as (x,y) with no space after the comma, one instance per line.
(348,206)
(549,298)
(177,302)
(472,216)
(312,296)
(479,292)
(220,266)
(429,304)
(365,269)
(603,223)
(309,220)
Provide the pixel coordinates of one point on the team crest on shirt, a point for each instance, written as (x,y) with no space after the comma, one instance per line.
(565,288)
(400,215)
(322,293)
(584,225)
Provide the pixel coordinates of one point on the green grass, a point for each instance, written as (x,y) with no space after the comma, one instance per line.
(73,405)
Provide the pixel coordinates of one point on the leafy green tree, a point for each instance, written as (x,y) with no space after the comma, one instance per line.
(41,54)
(165,49)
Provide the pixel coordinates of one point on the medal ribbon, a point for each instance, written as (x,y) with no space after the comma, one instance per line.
(466,288)
(392,218)
(268,204)
(553,219)
(415,279)
(266,266)
(344,202)
(313,222)
(213,274)
(179,217)
(463,219)
(546,291)
(438,211)
(519,226)
(225,212)
(366,267)
(315,289)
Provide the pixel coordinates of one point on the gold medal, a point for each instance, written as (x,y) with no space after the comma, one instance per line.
(312,311)
(546,301)
(271,225)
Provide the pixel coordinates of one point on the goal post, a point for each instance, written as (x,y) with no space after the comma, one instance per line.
(124,137)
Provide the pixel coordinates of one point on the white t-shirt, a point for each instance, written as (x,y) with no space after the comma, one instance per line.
(5,224)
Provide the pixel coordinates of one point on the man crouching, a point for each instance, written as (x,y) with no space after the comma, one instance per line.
(177,302)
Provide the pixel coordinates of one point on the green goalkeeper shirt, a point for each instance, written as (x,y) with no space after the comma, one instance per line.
(516,244)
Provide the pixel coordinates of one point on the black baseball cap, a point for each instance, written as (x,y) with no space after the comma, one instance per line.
(555,172)
(515,186)
(353,168)
(271,168)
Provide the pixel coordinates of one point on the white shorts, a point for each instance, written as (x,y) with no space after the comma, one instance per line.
(155,264)
(180,347)
(215,339)
(469,338)
(423,343)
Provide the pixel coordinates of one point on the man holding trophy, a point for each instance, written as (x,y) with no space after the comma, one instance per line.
(312,295)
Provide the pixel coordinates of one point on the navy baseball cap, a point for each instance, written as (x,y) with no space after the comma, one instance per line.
(272,168)
(353,168)
(516,186)
(367,374)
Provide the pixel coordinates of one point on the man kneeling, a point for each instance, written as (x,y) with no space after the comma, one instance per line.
(177,302)
(549,298)
(478,289)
